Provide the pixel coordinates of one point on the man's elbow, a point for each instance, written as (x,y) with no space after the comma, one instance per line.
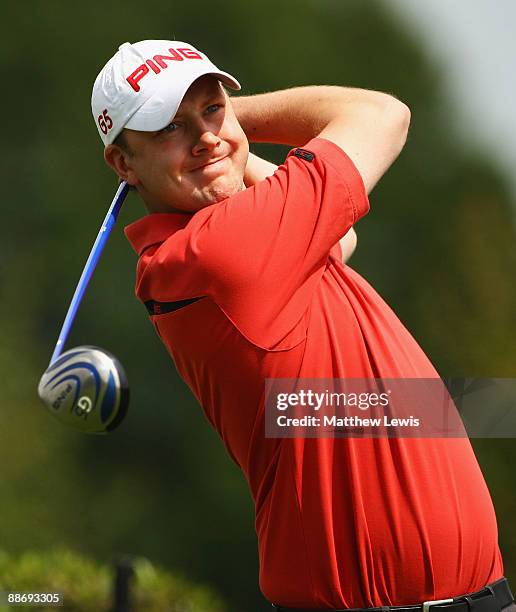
(399,120)
(391,123)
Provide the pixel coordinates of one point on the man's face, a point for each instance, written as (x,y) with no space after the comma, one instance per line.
(197,160)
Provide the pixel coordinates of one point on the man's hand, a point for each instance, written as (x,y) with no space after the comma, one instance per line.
(371,127)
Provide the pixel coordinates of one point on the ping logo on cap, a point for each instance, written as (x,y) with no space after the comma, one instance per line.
(158,63)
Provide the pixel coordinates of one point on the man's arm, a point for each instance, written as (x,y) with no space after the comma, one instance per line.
(371,127)
(258,169)
(348,244)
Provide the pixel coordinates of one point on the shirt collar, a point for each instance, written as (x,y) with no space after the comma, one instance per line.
(154,229)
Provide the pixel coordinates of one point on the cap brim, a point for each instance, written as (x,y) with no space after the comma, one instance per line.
(157,112)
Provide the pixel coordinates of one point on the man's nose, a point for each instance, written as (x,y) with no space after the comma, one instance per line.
(205,141)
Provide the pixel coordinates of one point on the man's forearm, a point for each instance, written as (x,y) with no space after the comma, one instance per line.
(295,116)
(348,244)
(257,169)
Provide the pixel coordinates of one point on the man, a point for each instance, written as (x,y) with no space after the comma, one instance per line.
(240,267)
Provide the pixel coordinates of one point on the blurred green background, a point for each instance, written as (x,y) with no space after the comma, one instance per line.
(438,245)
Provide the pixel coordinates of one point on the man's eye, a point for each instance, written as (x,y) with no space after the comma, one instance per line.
(213,108)
(171,127)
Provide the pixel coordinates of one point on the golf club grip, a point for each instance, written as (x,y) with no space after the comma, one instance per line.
(98,247)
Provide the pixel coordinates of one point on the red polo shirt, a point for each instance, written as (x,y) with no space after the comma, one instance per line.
(341,522)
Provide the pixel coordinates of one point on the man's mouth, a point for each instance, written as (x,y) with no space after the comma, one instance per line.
(213,163)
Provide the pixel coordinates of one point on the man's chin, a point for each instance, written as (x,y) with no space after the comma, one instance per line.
(216,194)
(203,198)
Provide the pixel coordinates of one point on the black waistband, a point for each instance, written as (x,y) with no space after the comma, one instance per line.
(491,598)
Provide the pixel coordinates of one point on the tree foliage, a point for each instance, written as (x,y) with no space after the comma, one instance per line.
(85,585)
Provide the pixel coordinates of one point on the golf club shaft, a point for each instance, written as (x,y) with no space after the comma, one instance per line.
(89,268)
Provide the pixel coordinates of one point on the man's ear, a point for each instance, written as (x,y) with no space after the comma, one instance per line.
(120,161)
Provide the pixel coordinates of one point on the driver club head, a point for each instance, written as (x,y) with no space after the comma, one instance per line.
(86,388)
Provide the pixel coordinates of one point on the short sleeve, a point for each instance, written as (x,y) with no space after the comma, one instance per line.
(260,254)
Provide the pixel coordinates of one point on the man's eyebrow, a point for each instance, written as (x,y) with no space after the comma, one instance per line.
(217,93)
(209,97)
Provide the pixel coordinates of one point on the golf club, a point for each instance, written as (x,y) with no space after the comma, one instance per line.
(86,387)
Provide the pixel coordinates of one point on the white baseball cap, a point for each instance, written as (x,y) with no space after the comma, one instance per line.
(142,85)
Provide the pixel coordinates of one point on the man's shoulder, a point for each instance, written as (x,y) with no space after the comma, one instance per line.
(154,228)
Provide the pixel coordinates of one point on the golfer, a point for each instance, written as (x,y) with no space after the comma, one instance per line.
(242,269)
